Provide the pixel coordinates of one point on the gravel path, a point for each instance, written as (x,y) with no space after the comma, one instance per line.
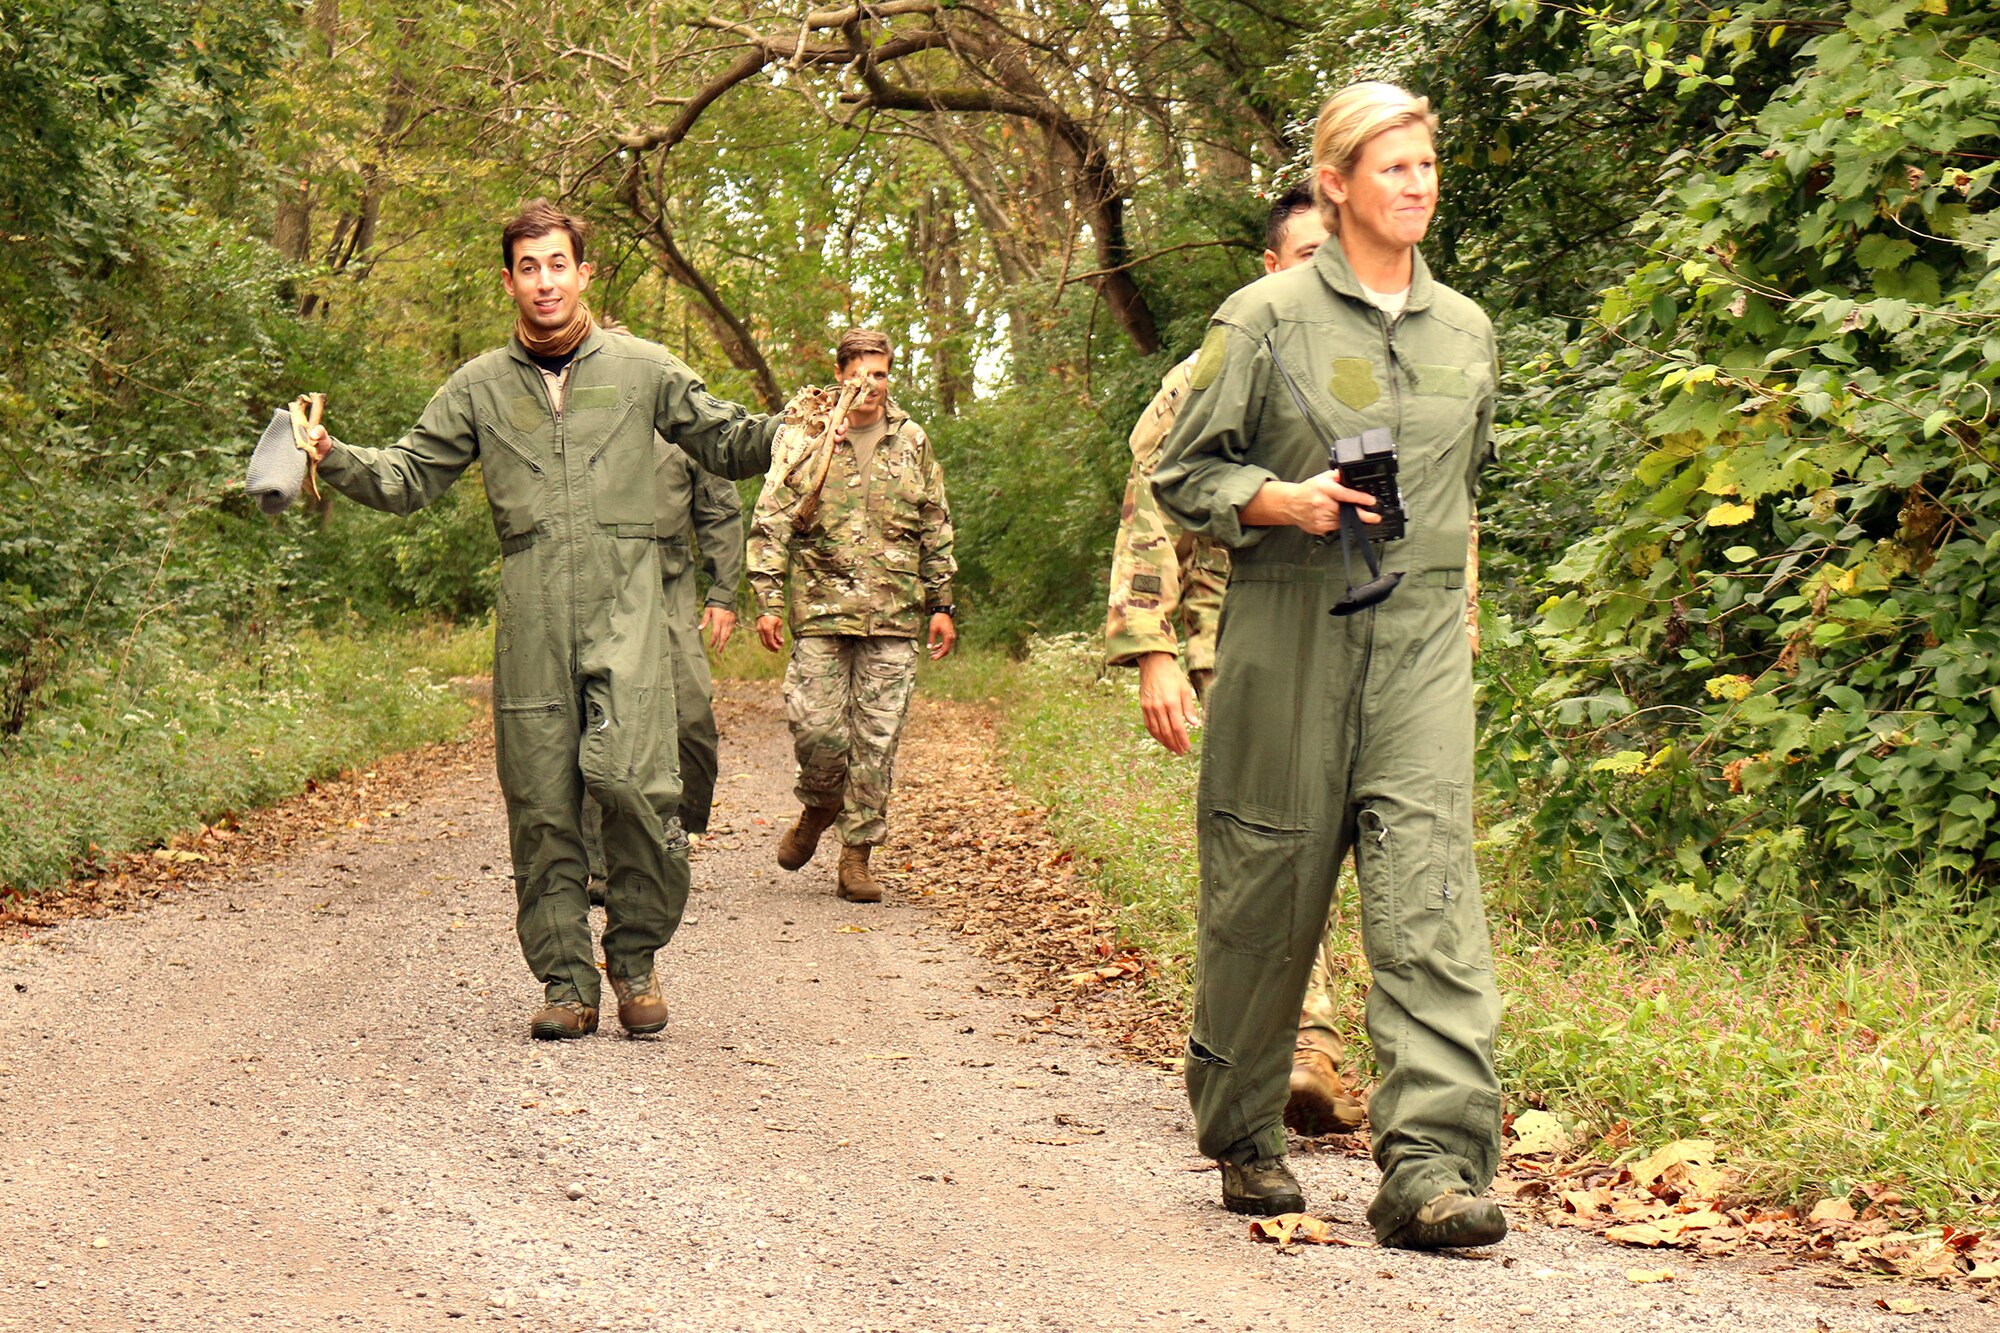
(304,1099)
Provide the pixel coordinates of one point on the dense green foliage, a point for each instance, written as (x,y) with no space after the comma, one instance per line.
(1772,683)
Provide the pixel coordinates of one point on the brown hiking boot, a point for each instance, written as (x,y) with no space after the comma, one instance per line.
(1451,1221)
(855,883)
(641,1007)
(1320,1103)
(1262,1188)
(801,840)
(561,1022)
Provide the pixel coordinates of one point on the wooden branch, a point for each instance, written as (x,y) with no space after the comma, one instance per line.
(737,342)
(1147,259)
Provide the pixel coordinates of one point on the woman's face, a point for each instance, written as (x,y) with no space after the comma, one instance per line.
(1387,200)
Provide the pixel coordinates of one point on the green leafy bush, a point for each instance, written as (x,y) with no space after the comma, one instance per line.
(1773,676)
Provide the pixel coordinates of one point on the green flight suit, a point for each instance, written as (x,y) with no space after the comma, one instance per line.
(1327,733)
(696,504)
(583,696)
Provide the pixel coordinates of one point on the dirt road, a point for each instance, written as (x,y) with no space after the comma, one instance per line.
(303,1098)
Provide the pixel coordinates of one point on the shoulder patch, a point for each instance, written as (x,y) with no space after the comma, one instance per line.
(1353,382)
(1214,351)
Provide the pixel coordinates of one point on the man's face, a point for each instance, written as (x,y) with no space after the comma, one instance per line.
(545,281)
(874,367)
(1387,201)
(1303,235)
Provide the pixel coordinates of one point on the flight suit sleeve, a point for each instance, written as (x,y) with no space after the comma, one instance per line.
(769,557)
(1147,555)
(1206,475)
(718,530)
(417,469)
(936,563)
(723,437)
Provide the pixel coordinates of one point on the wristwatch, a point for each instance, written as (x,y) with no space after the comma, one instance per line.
(948,609)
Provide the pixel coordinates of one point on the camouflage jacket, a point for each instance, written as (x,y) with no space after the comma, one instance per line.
(1161,578)
(875,556)
(699,507)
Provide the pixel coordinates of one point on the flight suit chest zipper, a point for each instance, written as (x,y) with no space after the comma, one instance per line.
(1395,365)
(569,507)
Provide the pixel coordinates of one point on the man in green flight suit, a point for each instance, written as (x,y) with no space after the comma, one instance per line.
(708,511)
(1338,720)
(563,421)
(1162,578)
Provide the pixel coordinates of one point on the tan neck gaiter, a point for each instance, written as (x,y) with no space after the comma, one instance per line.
(562,341)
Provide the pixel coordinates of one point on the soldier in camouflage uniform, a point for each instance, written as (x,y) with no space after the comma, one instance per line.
(871,546)
(1160,576)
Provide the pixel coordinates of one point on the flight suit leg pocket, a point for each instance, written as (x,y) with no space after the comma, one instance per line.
(1254,877)
(1452,880)
(534,742)
(1379,877)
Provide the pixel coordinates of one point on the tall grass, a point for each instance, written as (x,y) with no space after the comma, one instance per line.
(175,729)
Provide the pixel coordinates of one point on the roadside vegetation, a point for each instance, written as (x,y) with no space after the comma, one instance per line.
(180,731)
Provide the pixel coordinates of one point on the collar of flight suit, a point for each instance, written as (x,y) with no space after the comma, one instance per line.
(1330,262)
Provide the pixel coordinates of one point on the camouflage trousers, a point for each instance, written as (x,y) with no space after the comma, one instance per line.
(846,696)
(1319,1016)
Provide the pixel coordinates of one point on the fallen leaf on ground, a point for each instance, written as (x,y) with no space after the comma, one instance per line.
(1537,1132)
(1642,1233)
(1831,1210)
(1903,1306)
(892,1055)
(852,930)
(1295,1229)
(1650,1274)
(1681,1152)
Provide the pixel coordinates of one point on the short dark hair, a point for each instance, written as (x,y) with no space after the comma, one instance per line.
(539,217)
(861,342)
(1297,200)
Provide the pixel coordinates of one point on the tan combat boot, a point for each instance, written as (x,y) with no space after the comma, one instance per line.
(641,1007)
(563,1022)
(855,883)
(801,840)
(1320,1103)
(1451,1221)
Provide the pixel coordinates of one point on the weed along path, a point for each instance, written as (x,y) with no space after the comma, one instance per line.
(302,1097)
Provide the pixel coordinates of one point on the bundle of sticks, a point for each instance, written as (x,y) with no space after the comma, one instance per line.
(820,413)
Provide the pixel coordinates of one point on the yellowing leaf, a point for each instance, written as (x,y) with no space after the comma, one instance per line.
(852,930)
(1642,1233)
(1537,1132)
(1650,1274)
(1685,1152)
(1731,514)
(1295,1229)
